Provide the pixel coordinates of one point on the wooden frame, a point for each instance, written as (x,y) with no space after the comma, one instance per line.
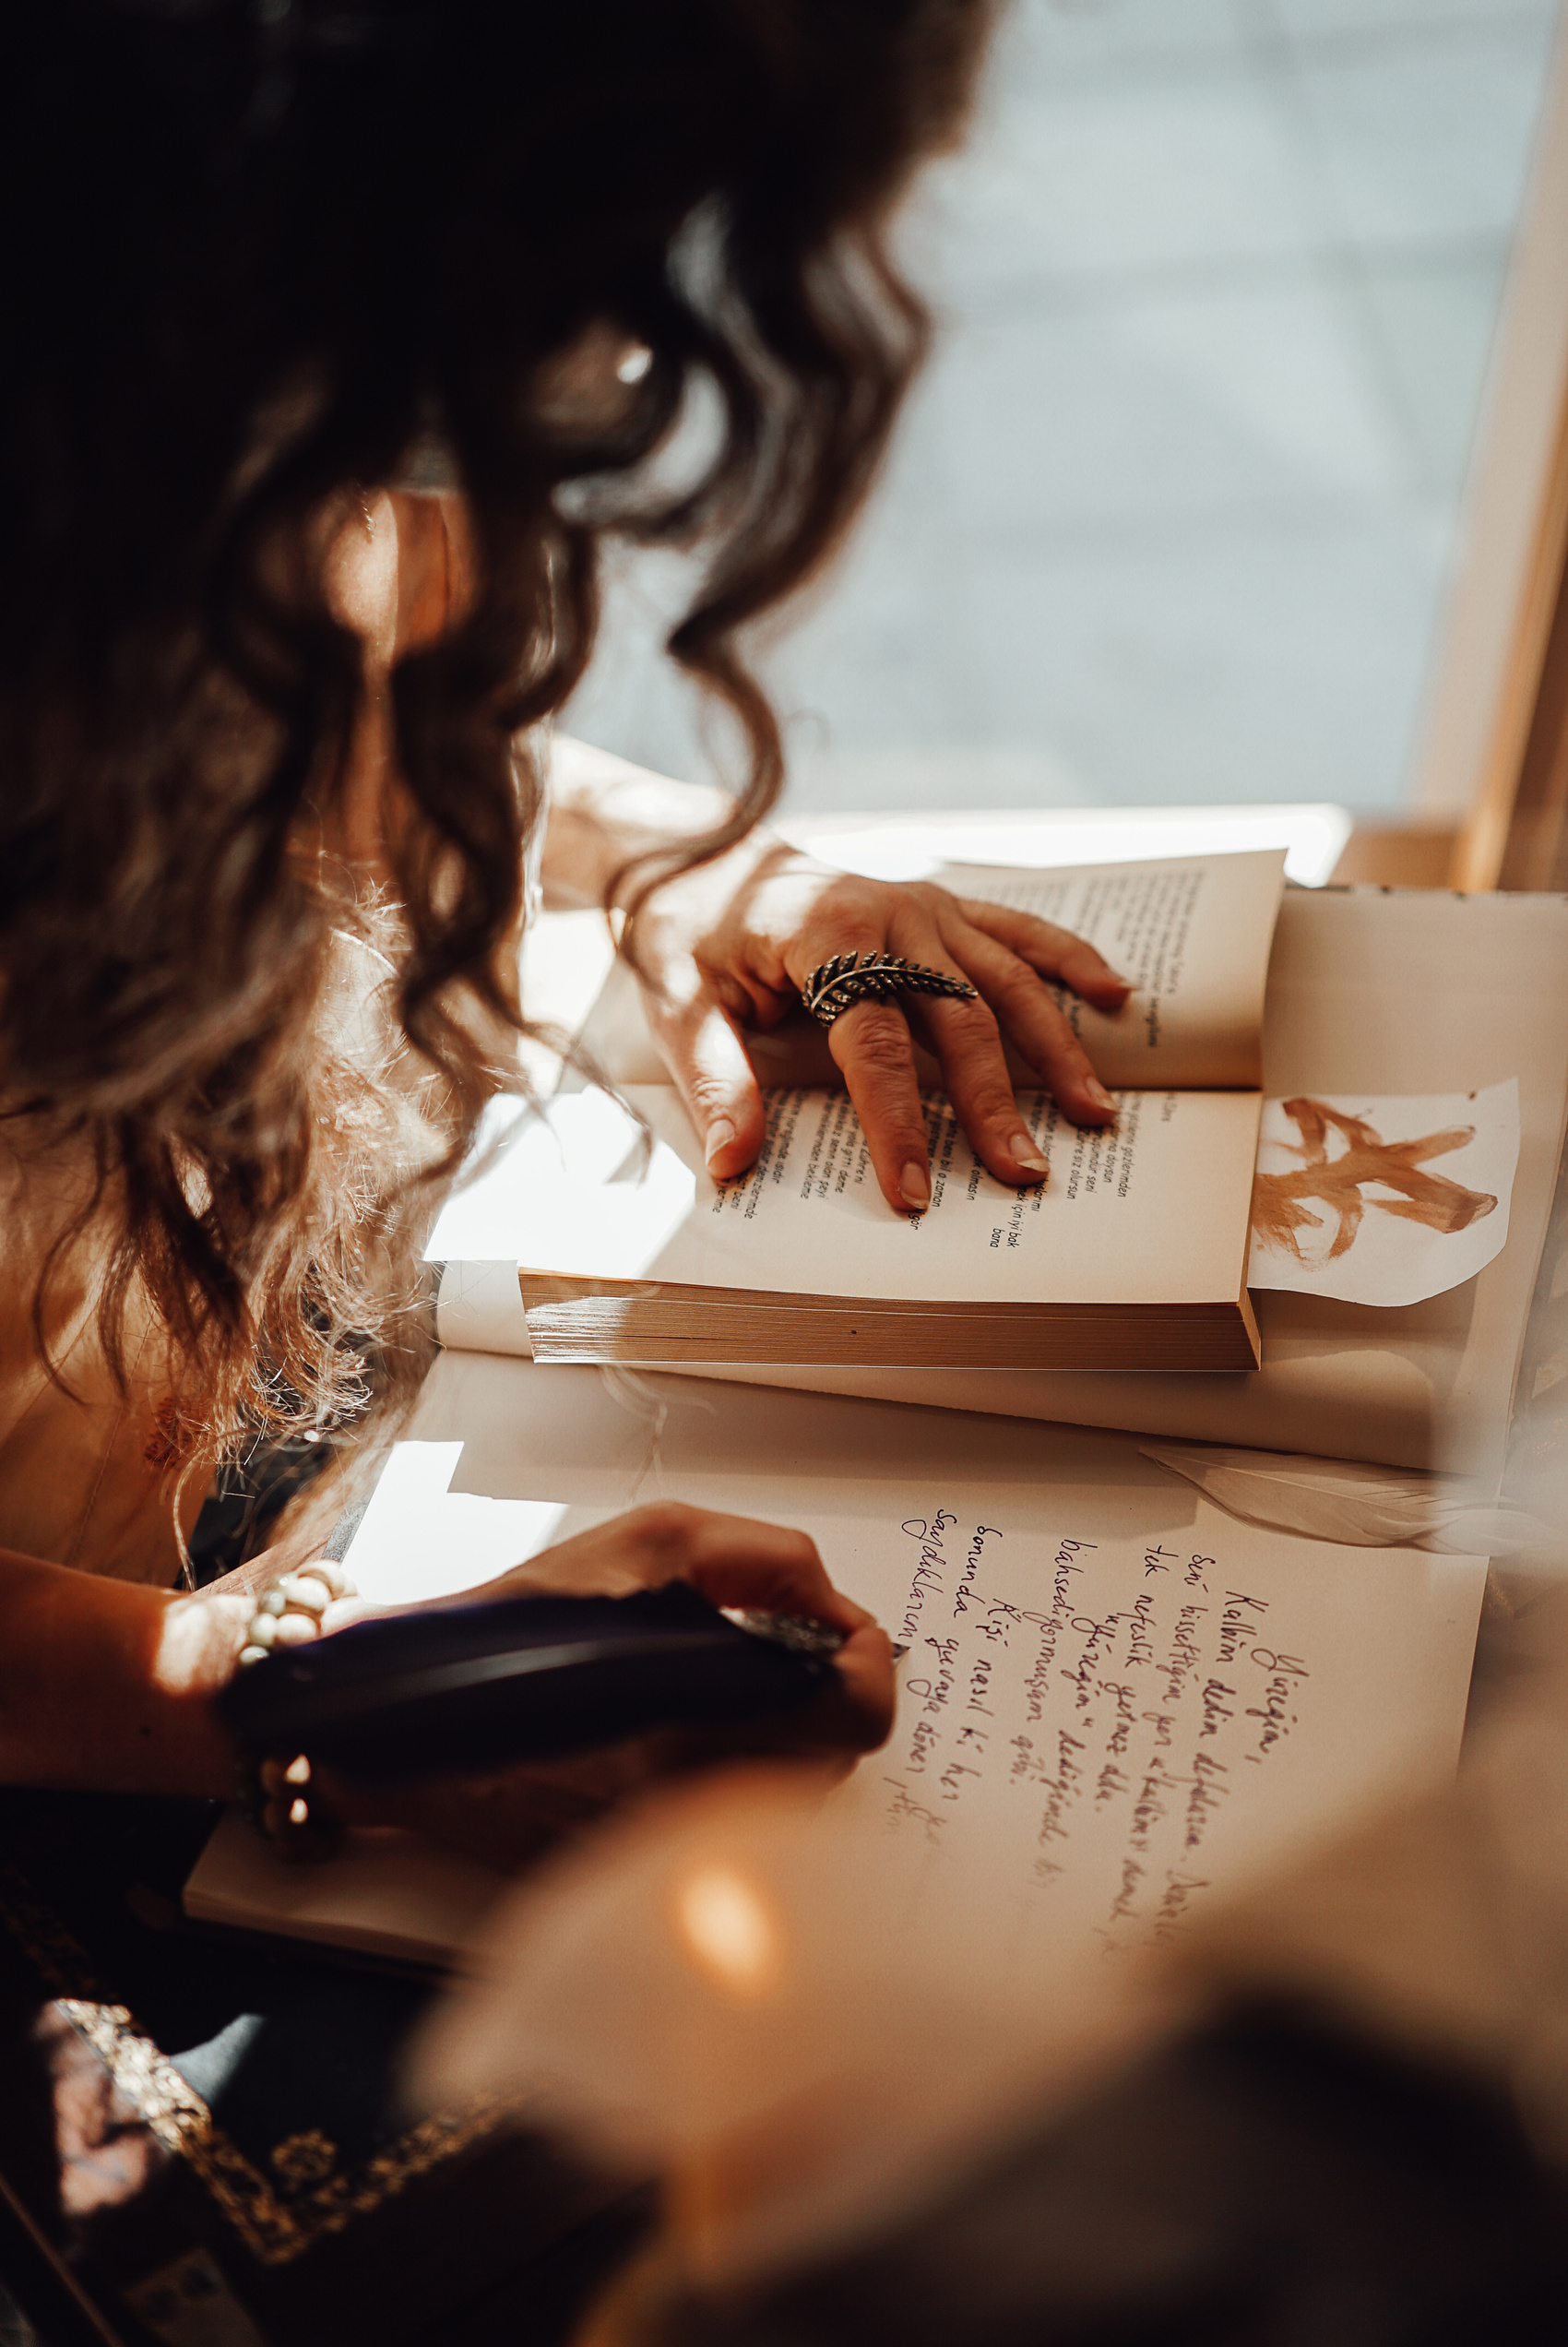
(1517,834)
(1490,804)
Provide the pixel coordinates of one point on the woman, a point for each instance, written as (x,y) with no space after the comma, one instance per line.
(339,343)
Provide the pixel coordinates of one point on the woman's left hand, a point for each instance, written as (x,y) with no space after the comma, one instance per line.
(728,947)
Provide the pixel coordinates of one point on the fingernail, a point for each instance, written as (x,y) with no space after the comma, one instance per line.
(914,1188)
(1026,1153)
(1099,1096)
(720,1133)
(1117,979)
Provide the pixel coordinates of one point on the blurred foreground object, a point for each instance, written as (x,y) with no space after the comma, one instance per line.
(731,1988)
(1338,2110)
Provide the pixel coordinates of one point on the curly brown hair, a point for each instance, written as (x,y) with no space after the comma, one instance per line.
(259,251)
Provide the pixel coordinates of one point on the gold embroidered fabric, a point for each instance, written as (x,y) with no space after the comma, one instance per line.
(312,2190)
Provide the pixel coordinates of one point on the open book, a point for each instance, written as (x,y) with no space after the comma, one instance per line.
(1133,1256)
(1370,992)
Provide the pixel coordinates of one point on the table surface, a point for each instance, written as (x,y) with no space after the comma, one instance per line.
(229,2110)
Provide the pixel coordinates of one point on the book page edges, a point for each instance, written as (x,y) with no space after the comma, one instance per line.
(650,1323)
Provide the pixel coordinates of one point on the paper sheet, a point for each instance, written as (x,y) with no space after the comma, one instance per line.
(1380,1199)
(1112,1725)
(1118,1699)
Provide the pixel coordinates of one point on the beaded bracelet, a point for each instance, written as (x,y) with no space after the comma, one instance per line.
(303,1595)
(286,1614)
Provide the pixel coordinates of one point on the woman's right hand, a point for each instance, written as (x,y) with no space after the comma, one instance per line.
(506,1816)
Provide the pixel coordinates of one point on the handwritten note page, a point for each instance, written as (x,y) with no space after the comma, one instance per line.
(1114,1727)
(1117,1698)
(1383,1200)
(1192,934)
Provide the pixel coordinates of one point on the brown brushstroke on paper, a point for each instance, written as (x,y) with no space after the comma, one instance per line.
(1432,1199)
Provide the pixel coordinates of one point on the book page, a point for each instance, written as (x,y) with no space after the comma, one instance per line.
(1192,935)
(1117,1700)
(1192,932)
(1153,1211)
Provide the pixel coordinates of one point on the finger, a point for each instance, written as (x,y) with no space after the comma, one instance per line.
(852,1712)
(345,1611)
(1034,1023)
(704,1055)
(1055,953)
(967,1043)
(870,1046)
(867,1690)
(734,1560)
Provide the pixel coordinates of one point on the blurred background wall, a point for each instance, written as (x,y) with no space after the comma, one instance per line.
(1173,509)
